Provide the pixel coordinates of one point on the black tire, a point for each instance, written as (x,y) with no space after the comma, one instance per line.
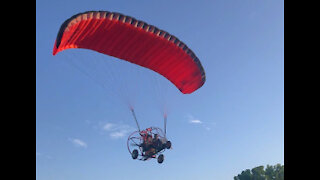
(168,144)
(160,158)
(134,154)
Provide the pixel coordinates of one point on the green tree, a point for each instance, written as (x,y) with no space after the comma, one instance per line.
(259,173)
(245,175)
(270,173)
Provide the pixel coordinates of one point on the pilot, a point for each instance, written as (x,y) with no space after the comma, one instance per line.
(156,143)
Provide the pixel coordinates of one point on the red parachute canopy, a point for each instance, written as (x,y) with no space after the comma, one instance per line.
(135,41)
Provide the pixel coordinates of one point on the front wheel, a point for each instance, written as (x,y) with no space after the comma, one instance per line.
(160,158)
(134,154)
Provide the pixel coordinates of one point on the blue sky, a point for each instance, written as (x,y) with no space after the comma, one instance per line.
(234,122)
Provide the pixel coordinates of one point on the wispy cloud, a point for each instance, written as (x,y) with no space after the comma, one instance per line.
(118,134)
(78,142)
(195,121)
(42,155)
(88,121)
(205,125)
(117,131)
(108,126)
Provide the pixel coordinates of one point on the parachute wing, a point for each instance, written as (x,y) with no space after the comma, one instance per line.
(135,41)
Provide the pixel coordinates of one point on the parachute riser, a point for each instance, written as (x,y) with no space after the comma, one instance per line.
(135,118)
(165,126)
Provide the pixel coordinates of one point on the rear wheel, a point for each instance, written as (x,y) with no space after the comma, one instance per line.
(160,158)
(134,154)
(168,144)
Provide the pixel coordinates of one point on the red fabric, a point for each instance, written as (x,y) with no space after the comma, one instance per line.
(136,42)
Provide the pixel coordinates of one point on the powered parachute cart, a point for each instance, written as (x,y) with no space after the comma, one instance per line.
(149,143)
